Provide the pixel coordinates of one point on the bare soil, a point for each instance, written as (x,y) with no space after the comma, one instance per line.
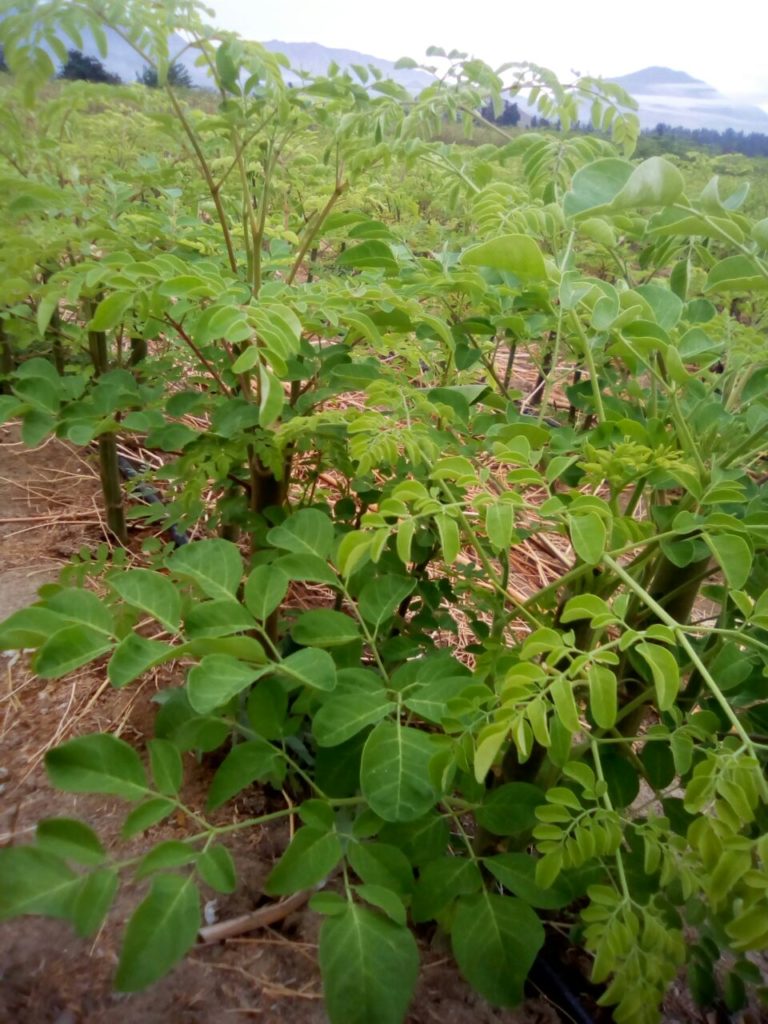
(50,511)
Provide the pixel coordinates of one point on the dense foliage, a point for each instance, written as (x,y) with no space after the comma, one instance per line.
(318,314)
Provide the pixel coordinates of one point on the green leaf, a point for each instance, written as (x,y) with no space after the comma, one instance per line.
(450,540)
(92,900)
(268,708)
(588,536)
(247,359)
(99,763)
(215,565)
(495,940)
(594,187)
(46,307)
(667,307)
(585,606)
(517,873)
(306,567)
(615,185)
(514,254)
(29,627)
(734,556)
(655,182)
(371,255)
(161,930)
(421,841)
(509,809)
(323,627)
(307,532)
(110,311)
(736,274)
(146,815)
(217,679)
(500,525)
(246,763)
(217,869)
(221,617)
(310,858)
(622,778)
(324,902)
(603,700)
(429,699)
(384,899)
(36,426)
(490,739)
(133,656)
(170,854)
(441,882)
(350,709)
(34,881)
(152,593)
(394,772)
(561,692)
(167,769)
(271,398)
(381,864)
(309,667)
(369,966)
(381,597)
(665,671)
(70,839)
(265,590)
(68,649)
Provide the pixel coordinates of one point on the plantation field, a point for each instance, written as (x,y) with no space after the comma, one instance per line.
(384,587)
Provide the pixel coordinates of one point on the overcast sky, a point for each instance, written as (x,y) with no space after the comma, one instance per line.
(724,44)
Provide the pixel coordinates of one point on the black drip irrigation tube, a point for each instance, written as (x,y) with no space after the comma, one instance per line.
(558,984)
(129,470)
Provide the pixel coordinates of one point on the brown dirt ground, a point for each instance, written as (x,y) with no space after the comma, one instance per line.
(50,510)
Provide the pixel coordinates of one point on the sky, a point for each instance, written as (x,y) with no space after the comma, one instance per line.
(724,45)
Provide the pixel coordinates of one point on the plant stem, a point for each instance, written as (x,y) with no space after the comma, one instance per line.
(206,362)
(6,358)
(212,186)
(590,361)
(109,470)
(311,230)
(690,650)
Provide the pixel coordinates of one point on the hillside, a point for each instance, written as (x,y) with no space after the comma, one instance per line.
(315,59)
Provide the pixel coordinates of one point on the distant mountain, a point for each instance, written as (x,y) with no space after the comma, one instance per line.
(675,98)
(315,59)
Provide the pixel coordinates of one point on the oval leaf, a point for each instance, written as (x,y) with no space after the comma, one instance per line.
(161,930)
(369,966)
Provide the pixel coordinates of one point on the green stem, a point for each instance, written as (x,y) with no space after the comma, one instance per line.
(609,806)
(212,186)
(311,230)
(591,367)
